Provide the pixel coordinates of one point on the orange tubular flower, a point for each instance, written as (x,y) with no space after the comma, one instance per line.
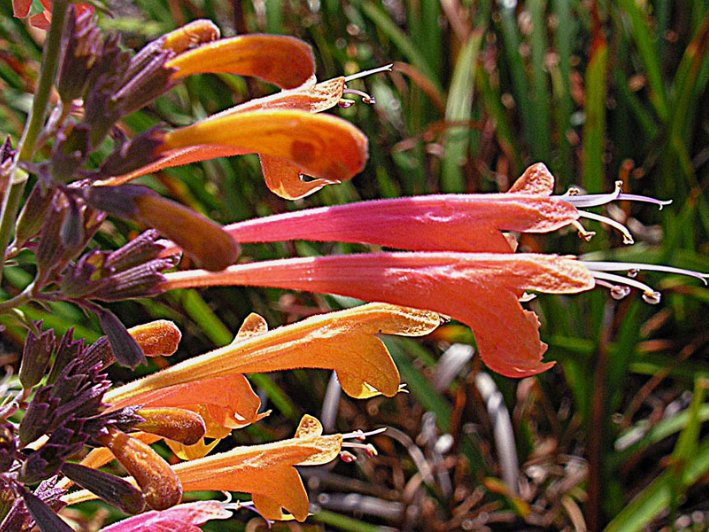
(265,471)
(343,341)
(280,127)
(213,384)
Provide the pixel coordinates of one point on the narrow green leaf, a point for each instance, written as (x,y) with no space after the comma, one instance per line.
(458,109)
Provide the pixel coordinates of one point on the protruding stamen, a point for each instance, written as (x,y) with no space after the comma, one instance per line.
(636,267)
(365,73)
(360,435)
(583,201)
(644,199)
(368,448)
(627,237)
(229,505)
(616,283)
(345,104)
(583,232)
(347,457)
(366,98)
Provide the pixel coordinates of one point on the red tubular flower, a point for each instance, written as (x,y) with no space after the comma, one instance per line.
(480,289)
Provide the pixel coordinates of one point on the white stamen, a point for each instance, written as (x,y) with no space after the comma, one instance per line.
(583,232)
(649,295)
(360,435)
(638,267)
(644,199)
(366,98)
(365,73)
(627,237)
(228,505)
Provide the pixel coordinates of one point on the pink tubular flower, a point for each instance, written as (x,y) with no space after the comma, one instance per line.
(181,518)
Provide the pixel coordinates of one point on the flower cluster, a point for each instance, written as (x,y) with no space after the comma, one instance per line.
(455,255)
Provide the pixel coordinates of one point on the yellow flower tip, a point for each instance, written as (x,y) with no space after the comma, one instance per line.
(192,452)
(189,35)
(286,62)
(158,482)
(254,325)
(176,424)
(157,338)
(308,427)
(202,239)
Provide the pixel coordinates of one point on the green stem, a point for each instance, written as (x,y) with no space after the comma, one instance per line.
(17,178)
(50,64)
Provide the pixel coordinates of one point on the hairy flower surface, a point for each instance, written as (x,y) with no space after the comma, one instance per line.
(265,471)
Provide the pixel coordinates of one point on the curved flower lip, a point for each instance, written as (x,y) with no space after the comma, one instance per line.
(229,399)
(481,290)
(344,341)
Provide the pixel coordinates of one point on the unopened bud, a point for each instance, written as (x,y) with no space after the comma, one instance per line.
(33,214)
(111,489)
(175,424)
(189,35)
(157,338)
(206,241)
(157,480)
(35,357)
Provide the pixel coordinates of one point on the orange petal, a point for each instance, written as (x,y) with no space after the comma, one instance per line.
(308,97)
(343,341)
(320,145)
(229,399)
(284,61)
(283,179)
(178,157)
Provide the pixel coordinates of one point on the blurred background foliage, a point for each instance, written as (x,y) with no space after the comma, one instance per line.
(613,438)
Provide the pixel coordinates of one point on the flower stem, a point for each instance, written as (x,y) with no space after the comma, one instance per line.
(17,178)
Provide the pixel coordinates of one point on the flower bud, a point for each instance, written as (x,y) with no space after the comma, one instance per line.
(8,445)
(35,356)
(175,424)
(82,45)
(157,338)
(111,489)
(33,215)
(160,485)
(124,347)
